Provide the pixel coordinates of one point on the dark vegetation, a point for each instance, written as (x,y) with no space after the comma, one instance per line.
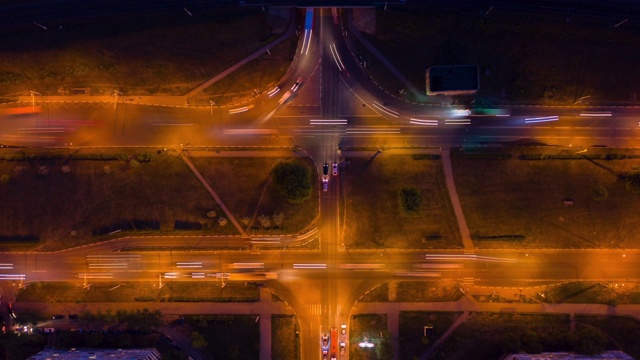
(374,214)
(294,180)
(151,53)
(226,336)
(523,56)
(539,197)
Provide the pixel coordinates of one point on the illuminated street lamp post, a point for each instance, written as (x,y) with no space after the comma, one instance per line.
(116,93)
(211,102)
(33,98)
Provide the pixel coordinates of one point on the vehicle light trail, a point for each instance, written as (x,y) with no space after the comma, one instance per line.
(423,122)
(309,266)
(385,109)
(541,119)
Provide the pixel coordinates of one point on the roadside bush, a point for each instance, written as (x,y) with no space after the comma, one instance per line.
(599,193)
(632,181)
(499,238)
(294,180)
(483,155)
(425,156)
(187,225)
(410,200)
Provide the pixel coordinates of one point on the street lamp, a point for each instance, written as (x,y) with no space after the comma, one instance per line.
(116,93)
(33,98)
(211,102)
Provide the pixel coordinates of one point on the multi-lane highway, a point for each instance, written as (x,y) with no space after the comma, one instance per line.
(331,105)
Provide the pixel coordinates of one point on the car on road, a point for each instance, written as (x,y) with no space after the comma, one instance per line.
(343,329)
(325,169)
(325,183)
(343,346)
(325,342)
(290,92)
(335,169)
(296,86)
(10,311)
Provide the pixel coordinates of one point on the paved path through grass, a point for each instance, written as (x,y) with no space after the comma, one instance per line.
(204,182)
(445,336)
(455,201)
(355,32)
(244,61)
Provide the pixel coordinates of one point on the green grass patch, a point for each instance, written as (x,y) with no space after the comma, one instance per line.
(413,341)
(61,292)
(285,341)
(248,192)
(377,294)
(373,216)
(369,327)
(426,156)
(491,335)
(527,199)
(102,194)
(158,52)
(262,74)
(227,336)
(96,197)
(582,293)
(427,291)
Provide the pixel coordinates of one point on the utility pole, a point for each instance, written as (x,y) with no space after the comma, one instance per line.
(33,98)
(115,102)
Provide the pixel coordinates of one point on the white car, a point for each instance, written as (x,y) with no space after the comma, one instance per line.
(343,329)
(325,343)
(335,169)
(296,86)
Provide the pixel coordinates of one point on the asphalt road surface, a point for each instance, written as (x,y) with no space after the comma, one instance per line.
(334,107)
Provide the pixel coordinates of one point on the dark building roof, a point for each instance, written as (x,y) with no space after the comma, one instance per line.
(452,80)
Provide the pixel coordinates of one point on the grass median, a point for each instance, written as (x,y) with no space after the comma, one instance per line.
(374,218)
(414,291)
(205,291)
(562,200)
(55,199)
(249,193)
(285,340)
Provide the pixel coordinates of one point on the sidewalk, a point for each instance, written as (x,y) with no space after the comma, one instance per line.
(467,242)
(215,196)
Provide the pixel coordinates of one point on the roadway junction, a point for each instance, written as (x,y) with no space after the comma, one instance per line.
(326,103)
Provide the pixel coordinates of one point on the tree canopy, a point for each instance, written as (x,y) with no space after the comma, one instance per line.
(410,200)
(294,180)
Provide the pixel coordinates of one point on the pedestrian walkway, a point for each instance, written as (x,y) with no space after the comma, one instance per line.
(445,336)
(205,183)
(467,242)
